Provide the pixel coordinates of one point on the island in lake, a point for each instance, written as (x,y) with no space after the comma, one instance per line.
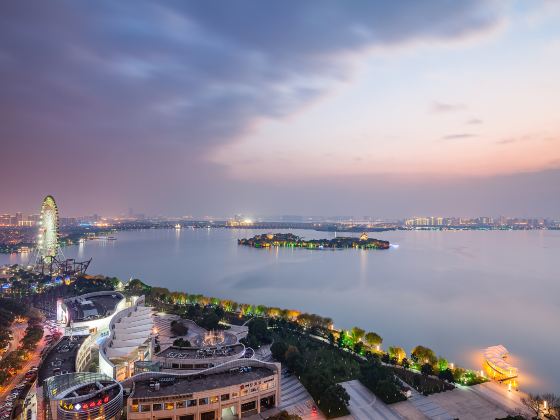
(291,240)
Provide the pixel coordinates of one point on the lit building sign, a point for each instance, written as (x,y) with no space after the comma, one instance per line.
(84,406)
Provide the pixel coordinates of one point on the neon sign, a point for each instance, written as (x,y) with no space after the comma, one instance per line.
(85,405)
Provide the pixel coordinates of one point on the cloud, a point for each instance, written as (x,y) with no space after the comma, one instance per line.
(474,121)
(113,82)
(441,107)
(506,141)
(458,136)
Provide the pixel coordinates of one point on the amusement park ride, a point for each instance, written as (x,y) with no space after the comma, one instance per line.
(50,259)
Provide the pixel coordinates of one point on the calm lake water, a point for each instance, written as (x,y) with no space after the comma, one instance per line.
(456,292)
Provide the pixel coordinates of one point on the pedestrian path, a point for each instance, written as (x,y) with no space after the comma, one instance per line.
(293,392)
(427,406)
(366,406)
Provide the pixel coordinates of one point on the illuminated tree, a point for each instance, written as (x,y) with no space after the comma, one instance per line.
(397,352)
(357,334)
(421,354)
(442,364)
(373,339)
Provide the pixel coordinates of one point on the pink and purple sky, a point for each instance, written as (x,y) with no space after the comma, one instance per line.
(381,108)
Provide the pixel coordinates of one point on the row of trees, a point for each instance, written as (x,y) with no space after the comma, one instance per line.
(9,310)
(198,308)
(243,309)
(319,367)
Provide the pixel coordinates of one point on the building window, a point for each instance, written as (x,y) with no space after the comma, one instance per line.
(214,400)
(209,415)
(169,406)
(145,408)
(202,401)
(225,397)
(187,417)
(268,402)
(234,395)
(180,404)
(157,407)
(248,406)
(191,403)
(134,408)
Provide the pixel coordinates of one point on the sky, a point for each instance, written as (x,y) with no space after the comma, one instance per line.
(380,108)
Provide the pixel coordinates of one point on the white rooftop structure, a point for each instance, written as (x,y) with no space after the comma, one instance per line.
(496,356)
(130,332)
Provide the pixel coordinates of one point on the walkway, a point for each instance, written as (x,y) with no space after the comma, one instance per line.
(365,406)
(427,406)
(498,394)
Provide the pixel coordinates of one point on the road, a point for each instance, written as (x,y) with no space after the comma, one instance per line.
(33,360)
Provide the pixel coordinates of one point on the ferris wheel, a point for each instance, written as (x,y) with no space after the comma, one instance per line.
(47,240)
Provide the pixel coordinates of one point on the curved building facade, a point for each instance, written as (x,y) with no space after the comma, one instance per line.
(90,313)
(235,389)
(82,395)
(129,341)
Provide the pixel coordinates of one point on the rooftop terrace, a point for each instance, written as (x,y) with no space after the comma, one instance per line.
(93,307)
(201,382)
(186,353)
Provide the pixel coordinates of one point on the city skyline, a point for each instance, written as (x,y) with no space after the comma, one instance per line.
(211,108)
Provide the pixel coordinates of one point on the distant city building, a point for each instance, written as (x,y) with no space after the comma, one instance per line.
(5,220)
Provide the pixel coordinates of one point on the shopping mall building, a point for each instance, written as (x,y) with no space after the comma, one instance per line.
(216,380)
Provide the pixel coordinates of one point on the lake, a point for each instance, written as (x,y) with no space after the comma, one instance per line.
(453,291)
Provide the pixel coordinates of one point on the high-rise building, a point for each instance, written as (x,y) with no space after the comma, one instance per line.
(5,220)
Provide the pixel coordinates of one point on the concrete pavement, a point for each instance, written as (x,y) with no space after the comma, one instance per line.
(364,405)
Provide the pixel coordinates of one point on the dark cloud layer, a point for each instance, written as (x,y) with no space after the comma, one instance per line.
(111,104)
